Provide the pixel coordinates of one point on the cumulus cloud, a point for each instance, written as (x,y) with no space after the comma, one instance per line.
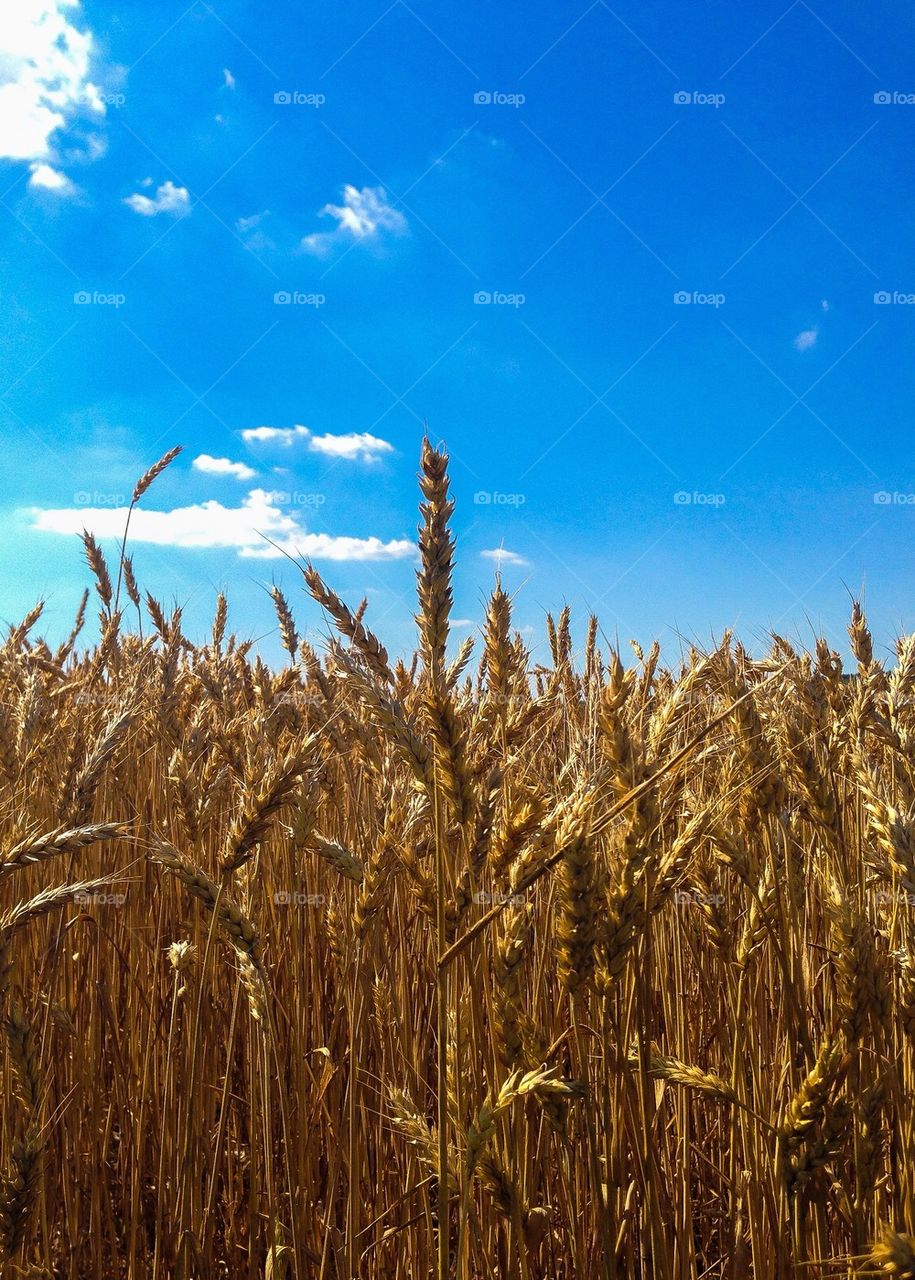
(44,76)
(502,556)
(168,199)
(223,467)
(45,177)
(274,435)
(363,215)
(806,339)
(228,78)
(210,524)
(354,446)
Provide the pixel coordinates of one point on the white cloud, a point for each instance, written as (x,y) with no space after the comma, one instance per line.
(46,178)
(354,446)
(252,230)
(44,76)
(228,78)
(324,546)
(362,216)
(95,147)
(248,224)
(501,556)
(168,199)
(806,339)
(210,524)
(275,435)
(223,467)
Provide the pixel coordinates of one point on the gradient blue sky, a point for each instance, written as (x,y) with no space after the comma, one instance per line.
(149,164)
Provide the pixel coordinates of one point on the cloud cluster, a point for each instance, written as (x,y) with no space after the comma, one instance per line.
(44,83)
(284,436)
(363,215)
(353,446)
(168,199)
(206,463)
(211,524)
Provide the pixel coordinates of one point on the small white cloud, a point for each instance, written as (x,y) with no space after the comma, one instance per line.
(353,446)
(824,305)
(228,78)
(248,224)
(502,556)
(251,229)
(462,622)
(46,178)
(274,435)
(223,467)
(363,215)
(168,199)
(806,339)
(96,145)
(210,524)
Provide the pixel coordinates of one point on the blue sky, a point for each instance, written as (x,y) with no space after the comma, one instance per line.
(740,458)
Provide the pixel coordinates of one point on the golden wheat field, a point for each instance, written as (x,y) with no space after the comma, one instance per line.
(470,968)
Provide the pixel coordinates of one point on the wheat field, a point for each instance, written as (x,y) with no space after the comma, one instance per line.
(473,968)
